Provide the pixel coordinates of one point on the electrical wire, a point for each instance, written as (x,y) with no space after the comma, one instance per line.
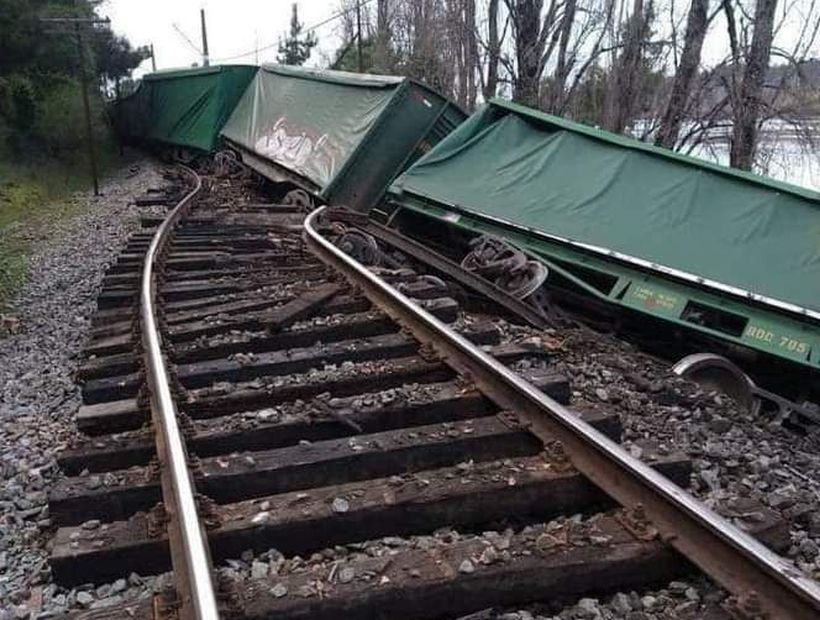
(184,36)
(324,22)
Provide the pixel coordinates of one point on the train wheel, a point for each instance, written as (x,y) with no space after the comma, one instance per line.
(718,373)
(361,246)
(524,281)
(298,198)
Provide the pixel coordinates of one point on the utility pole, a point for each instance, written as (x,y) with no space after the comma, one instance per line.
(359,34)
(153,60)
(89,135)
(205,60)
(78,23)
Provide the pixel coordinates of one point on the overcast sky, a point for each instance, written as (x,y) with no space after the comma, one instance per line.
(234,27)
(237,27)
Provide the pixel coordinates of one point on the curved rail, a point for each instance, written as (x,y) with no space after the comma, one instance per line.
(756,575)
(189,549)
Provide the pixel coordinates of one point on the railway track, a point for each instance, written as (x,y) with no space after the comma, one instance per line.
(295,435)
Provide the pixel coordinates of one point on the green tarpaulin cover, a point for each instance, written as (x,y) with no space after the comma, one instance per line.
(183,108)
(529,169)
(309,122)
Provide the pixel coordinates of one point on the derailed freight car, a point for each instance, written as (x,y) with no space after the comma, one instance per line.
(646,236)
(181,109)
(341,136)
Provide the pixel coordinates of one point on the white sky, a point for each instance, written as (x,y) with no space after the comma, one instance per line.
(238,26)
(234,27)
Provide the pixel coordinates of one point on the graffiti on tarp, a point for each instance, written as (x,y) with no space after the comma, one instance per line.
(296,149)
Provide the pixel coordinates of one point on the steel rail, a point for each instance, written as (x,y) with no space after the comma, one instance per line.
(749,570)
(190,555)
(441,263)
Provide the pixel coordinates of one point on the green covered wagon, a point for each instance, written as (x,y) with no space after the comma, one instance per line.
(182,108)
(642,232)
(341,136)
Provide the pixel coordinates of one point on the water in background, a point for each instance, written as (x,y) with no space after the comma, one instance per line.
(783,154)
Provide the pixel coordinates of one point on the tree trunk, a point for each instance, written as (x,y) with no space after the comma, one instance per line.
(493,50)
(382,20)
(470,54)
(456,27)
(622,94)
(562,69)
(381,57)
(696,26)
(748,101)
(528,49)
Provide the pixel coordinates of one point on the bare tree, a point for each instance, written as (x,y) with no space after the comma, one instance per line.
(589,44)
(563,65)
(616,63)
(382,54)
(746,96)
(696,27)
(625,77)
(423,43)
(493,50)
(470,51)
(462,48)
(531,52)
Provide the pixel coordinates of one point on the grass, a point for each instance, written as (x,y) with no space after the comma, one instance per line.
(31,195)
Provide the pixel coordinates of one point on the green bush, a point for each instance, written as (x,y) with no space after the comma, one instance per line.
(60,124)
(47,118)
(18,108)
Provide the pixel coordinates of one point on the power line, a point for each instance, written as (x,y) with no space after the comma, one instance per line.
(75,20)
(324,22)
(184,36)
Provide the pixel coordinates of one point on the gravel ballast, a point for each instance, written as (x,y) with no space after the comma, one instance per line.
(736,455)
(51,319)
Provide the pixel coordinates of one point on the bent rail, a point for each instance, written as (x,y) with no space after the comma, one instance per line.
(189,549)
(756,575)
